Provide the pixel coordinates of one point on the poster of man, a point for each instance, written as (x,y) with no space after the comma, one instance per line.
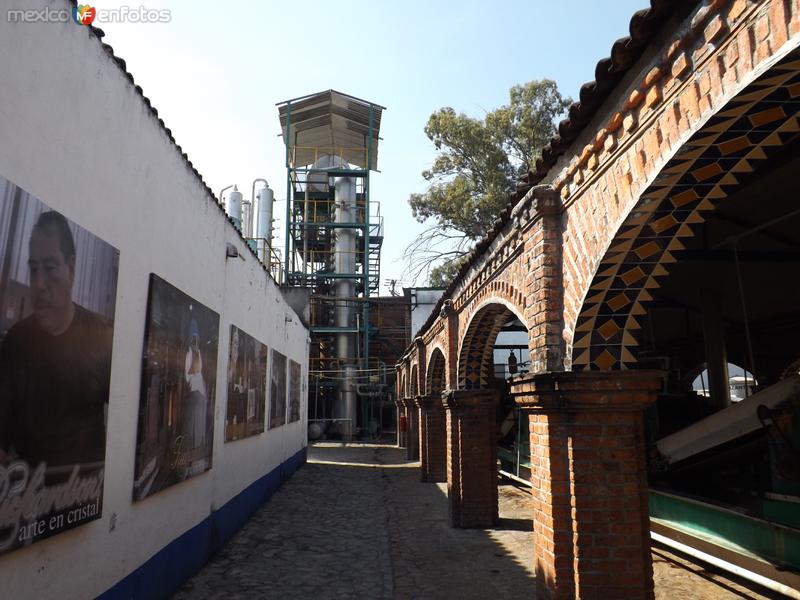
(294,391)
(176,407)
(58,289)
(247,385)
(277,390)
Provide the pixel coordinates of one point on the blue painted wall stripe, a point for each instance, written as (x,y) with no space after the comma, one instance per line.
(184,556)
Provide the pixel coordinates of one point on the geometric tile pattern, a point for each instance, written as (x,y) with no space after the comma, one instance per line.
(435,373)
(476,359)
(727,150)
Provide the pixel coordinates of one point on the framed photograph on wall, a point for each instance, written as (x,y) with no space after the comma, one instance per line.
(176,406)
(277,390)
(295,391)
(58,290)
(247,386)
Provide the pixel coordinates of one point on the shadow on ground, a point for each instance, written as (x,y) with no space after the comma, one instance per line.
(357,522)
(430,559)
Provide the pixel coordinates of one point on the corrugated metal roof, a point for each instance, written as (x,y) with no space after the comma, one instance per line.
(331,122)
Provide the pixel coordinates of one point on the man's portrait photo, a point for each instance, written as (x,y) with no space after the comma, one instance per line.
(57,295)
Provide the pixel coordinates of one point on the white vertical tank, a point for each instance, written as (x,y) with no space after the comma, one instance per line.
(266,198)
(234,206)
(345,264)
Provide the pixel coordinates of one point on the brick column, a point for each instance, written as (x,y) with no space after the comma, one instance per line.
(589,482)
(432,441)
(471,457)
(412,437)
(401,411)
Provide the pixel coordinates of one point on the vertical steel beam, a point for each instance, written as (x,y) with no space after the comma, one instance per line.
(288,193)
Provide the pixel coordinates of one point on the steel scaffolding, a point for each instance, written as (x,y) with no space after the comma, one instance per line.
(333,239)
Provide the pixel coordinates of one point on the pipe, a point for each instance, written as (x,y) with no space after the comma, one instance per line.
(222,191)
(306,230)
(247,218)
(344,264)
(255,181)
(349,403)
(725,565)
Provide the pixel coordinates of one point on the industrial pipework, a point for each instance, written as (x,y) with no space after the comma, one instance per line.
(331,247)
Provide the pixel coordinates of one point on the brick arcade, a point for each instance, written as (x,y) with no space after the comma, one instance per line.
(699,105)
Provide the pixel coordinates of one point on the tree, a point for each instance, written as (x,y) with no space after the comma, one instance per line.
(478,164)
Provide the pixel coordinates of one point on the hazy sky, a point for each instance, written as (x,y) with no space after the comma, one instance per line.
(216,71)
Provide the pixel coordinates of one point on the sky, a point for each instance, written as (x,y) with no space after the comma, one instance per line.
(215,72)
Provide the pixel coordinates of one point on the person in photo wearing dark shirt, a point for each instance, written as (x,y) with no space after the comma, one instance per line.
(55,363)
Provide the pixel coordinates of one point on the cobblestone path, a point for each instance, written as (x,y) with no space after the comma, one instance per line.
(356,522)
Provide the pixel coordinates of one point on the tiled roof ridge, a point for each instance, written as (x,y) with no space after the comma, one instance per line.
(100,34)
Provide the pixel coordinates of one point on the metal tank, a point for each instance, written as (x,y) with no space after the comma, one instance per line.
(345,291)
(234,206)
(266,199)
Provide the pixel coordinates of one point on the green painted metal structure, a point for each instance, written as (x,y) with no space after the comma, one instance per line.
(336,125)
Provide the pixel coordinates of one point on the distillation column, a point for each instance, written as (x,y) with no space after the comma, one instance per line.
(345,264)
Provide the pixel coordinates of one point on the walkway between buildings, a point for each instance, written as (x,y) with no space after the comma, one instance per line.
(356,522)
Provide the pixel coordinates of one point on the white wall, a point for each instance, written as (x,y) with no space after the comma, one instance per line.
(423,301)
(75,134)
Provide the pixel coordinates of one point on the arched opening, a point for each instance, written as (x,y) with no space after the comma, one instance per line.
(433,429)
(412,416)
(742,383)
(435,373)
(494,349)
(704,271)
(494,334)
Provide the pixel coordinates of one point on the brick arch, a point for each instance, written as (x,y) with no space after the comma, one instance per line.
(727,150)
(497,290)
(435,373)
(403,389)
(412,387)
(475,356)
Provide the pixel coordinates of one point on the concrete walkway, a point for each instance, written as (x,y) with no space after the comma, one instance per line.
(356,522)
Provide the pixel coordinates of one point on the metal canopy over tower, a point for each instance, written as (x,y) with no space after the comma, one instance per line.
(334,234)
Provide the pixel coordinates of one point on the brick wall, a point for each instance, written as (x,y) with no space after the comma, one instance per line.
(541,270)
(713,56)
(471,457)
(589,482)
(588,464)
